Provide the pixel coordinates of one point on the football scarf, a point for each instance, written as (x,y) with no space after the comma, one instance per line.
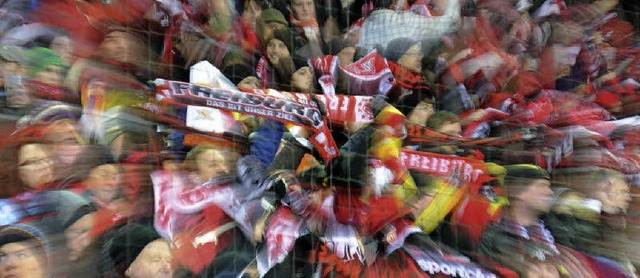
(280,235)
(341,108)
(50,92)
(326,72)
(310,27)
(434,263)
(458,177)
(264,72)
(289,108)
(422,135)
(369,76)
(407,78)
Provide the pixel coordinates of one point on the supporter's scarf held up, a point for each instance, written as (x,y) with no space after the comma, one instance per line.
(458,177)
(289,108)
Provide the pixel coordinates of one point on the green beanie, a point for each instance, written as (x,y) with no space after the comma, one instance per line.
(40,58)
(272,15)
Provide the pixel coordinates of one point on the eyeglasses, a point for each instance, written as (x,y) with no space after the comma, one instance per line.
(35,162)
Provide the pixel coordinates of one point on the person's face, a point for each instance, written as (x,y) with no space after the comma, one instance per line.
(34,165)
(346,55)
(251,12)
(63,135)
(412,59)
(63,131)
(51,75)
(451,128)
(421,113)
(301,80)
(303,10)
(62,45)
(249,83)
(537,195)
(104,182)
(122,47)
(20,260)
(78,236)
(213,164)
(276,50)
(269,28)
(154,261)
(619,197)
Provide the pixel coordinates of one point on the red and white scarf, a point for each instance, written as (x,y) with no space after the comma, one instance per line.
(310,28)
(290,108)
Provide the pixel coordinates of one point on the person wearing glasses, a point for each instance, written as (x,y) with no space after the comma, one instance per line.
(35,167)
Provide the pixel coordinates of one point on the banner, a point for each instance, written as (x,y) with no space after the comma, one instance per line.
(289,108)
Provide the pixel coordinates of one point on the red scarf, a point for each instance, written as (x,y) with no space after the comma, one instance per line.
(407,78)
(310,28)
(264,72)
(51,92)
(303,24)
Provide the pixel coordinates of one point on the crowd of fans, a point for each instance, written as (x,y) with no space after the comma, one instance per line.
(319,138)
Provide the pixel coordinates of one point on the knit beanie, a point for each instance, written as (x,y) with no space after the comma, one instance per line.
(126,244)
(40,58)
(82,210)
(397,47)
(408,102)
(24,232)
(272,15)
(286,37)
(47,112)
(335,45)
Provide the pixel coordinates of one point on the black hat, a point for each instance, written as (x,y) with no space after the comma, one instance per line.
(397,47)
(286,37)
(407,103)
(78,213)
(335,45)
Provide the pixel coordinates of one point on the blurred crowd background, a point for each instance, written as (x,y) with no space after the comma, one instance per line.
(319,138)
